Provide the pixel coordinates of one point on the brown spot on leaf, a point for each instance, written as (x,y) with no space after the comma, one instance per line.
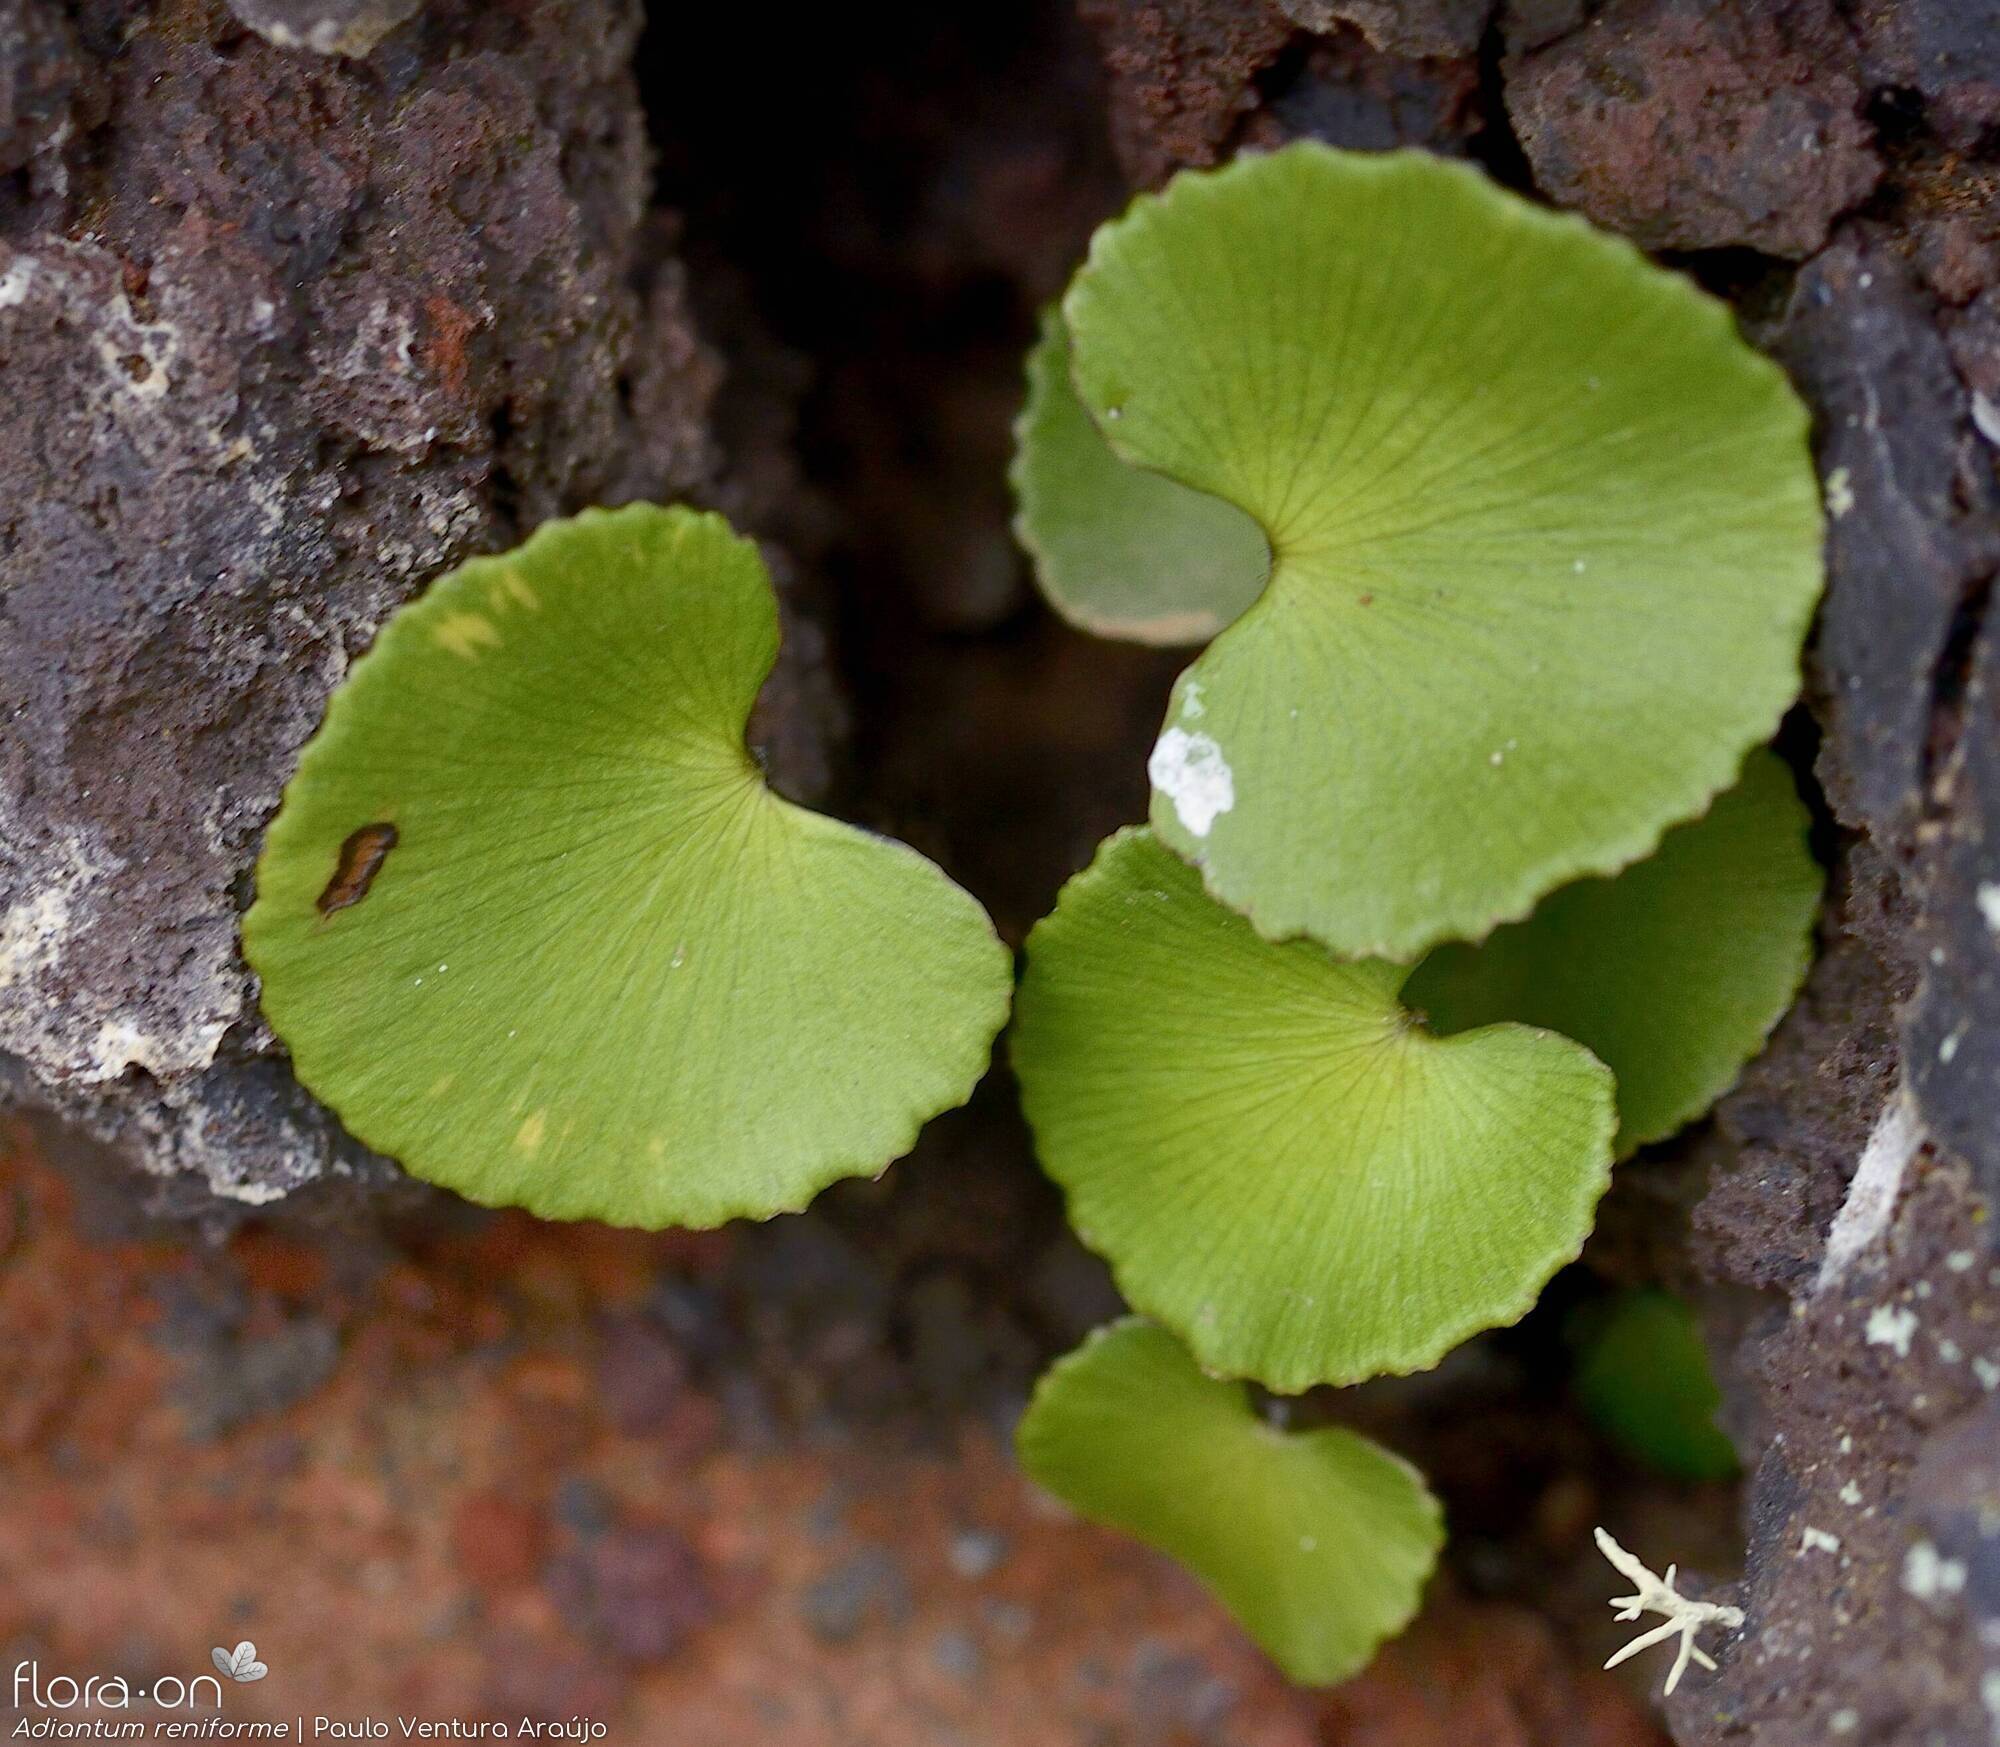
(361,859)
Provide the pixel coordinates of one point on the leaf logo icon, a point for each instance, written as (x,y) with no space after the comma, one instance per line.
(240,1663)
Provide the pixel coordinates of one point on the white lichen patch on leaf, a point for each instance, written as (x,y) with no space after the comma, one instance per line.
(1657,1595)
(1190,771)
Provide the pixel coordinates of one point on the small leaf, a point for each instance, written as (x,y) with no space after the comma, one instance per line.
(1120,551)
(1278,1162)
(1643,1375)
(1319,1542)
(1674,972)
(1545,536)
(596,968)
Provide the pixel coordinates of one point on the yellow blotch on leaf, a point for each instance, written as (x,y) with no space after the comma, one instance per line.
(515,586)
(465,634)
(529,1136)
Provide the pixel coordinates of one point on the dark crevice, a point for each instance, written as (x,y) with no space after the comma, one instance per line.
(1758,285)
(922,182)
(1798,742)
(1896,113)
(1496,145)
(1281,87)
(1948,691)
(504,489)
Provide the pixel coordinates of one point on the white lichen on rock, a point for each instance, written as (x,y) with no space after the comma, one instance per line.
(1989,904)
(1891,1325)
(1929,1575)
(350,28)
(1878,1179)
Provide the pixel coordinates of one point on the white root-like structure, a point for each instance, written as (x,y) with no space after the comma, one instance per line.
(1655,1594)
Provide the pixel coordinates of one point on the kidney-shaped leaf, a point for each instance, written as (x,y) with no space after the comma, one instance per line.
(1673,973)
(1544,535)
(1117,550)
(1319,1542)
(531,922)
(1277,1161)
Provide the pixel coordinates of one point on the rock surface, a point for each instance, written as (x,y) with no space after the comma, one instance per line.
(285,336)
(1183,75)
(1700,124)
(443,1485)
(327,27)
(1447,28)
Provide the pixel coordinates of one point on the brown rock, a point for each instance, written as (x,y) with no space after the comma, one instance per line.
(637,1592)
(498,1541)
(1700,124)
(1183,74)
(325,27)
(1486,1673)
(47,82)
(1947,51)
(1352,95)
(1448,28)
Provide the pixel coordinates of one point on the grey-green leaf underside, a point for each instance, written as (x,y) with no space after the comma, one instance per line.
(1119,551)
